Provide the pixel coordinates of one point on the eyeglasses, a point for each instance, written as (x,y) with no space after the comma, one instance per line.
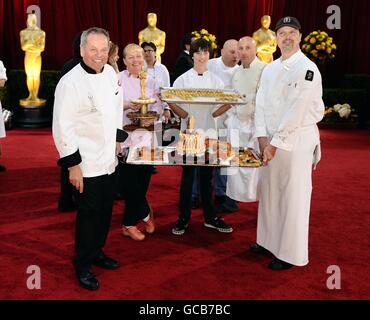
(148,50)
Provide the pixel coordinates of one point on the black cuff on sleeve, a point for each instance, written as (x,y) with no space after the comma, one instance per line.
(121,135)
(71,160)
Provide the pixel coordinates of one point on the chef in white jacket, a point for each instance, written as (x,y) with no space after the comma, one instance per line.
(242,182)
(288,106)
(87,126)
(224,67)
(3,79)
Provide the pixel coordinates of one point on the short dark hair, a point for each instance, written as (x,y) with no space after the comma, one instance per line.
(149,44)
(186,40)
(200,45)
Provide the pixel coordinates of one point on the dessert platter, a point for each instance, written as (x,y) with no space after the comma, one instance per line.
(147,155)
(194,148)
(201,96)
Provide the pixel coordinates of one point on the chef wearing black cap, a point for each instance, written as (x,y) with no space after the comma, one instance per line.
(288,106)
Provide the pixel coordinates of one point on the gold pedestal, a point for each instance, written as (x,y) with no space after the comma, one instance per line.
(32,103)
(32,114)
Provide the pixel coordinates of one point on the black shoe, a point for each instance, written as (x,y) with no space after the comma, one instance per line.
(219,225)
(219,200)
(87,280)
(277,265)
(66,205)
(228,206)
(180,227)
(195,203)
(256,248)
(2,168)
(105,262)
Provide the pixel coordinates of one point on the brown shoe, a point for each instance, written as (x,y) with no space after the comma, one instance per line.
(134,233)
(150,225)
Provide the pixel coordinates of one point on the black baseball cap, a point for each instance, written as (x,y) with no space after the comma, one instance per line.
(288,22)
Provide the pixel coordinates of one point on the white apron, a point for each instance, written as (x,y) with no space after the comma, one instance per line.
(283,218)
(242,182)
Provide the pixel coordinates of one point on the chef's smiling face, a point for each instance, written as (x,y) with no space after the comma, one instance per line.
(95,51)
(134,60)
(201,58)
(288,39)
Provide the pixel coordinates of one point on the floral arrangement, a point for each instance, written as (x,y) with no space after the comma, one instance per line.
(340,113)
(207,36)
(319,47)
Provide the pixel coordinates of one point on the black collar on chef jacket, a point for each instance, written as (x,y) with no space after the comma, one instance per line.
(88,69)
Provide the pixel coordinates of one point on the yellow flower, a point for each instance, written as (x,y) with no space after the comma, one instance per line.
(307,39)
(318,47)
(328,50)
(314,53)
(334,47)
(206,38)
(212,38)
(203,31)
(314,33)
(313,40)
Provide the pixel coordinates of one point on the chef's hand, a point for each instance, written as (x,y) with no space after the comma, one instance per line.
(118,148)
(76,178)
(268,153)
(132,106)
(166,116)
(263,143)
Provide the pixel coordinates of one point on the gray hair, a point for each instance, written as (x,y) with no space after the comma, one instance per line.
(93,30)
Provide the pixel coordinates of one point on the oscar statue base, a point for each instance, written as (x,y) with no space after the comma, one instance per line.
(28,115)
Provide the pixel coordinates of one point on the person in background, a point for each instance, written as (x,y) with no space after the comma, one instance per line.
(224,67)
(184,62)
(242,182)
(154,68)
(87,99)
(288,107)
(113,56)
(3,79)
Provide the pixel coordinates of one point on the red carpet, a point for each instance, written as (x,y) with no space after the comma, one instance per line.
(202,264)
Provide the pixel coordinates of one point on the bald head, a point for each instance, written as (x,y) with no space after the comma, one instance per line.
(247,48)
(229,53)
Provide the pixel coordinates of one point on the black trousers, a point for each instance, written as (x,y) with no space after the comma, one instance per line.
(93,219)
(135,180)
(187,179)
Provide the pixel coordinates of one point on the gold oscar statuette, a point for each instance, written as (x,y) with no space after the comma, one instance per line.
(33,43)
(152,34)
(266,40)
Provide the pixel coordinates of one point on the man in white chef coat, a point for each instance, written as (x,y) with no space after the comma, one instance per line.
(288,106)
(3,79)
(224,67)
(87,129)
(242,182)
